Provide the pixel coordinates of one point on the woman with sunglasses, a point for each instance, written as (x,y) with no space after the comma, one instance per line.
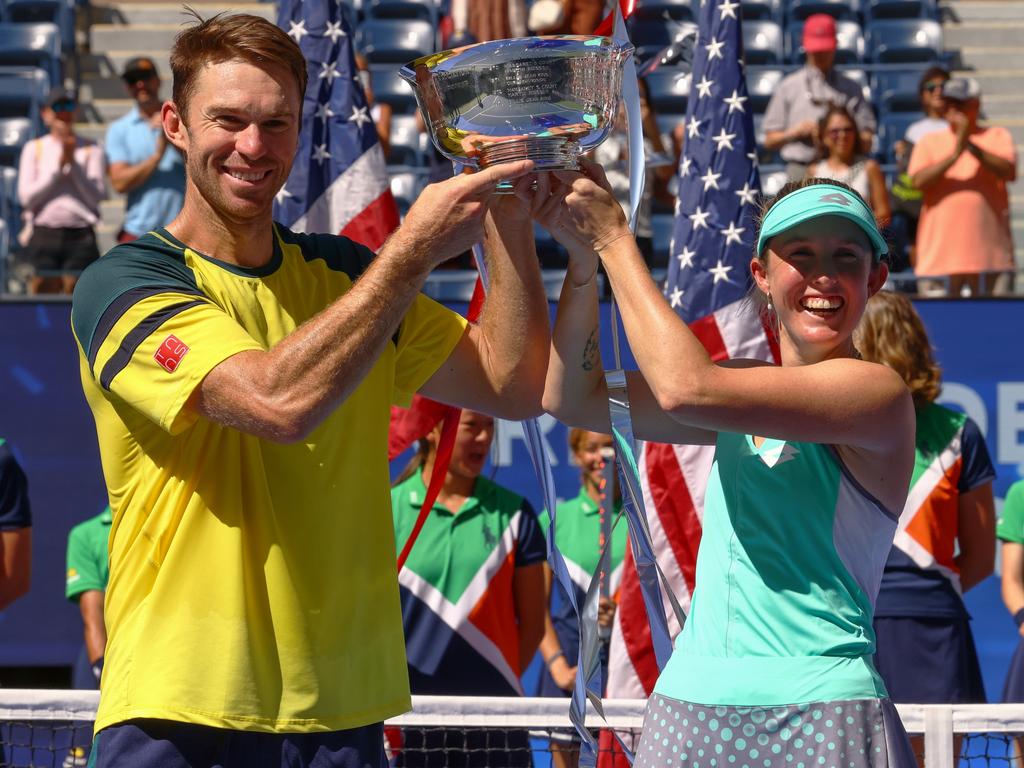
(843,161)
(813,459)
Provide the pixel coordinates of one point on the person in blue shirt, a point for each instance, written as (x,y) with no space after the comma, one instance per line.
(141,162)
(15,529)
(813,460)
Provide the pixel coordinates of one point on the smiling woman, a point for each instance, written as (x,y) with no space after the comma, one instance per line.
(812,463)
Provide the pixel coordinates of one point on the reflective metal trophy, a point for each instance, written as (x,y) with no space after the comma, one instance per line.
(547,99)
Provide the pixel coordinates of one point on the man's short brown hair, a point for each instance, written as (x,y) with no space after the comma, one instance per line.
(226,37)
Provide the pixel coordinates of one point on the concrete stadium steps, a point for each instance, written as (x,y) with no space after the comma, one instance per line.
(982,10)
(172,13)
(1003,33)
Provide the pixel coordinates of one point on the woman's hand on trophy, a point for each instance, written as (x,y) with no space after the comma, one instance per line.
(448,217)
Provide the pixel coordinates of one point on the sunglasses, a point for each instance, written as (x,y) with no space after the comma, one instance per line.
(63,106)
(136,79)
(835,133)
(936,86)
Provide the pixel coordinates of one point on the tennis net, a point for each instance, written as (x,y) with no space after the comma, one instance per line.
(53,729)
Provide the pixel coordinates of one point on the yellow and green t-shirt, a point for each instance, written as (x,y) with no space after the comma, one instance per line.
(252,585)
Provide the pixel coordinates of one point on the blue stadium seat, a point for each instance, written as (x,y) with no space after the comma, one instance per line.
(891,128)
(900,9)
(762,10)
(849,42)
(761,84)
(678,10)
(36,45)
(406,185)
(900,41)
(407,142)
(860,77)
(762,43)
(897,90)
(651,36)
(395,40)
(425,10)
(14,132)
(22,92)
(667,125)
(389,88)
(59,12)
(669,89)
(839,9)
(9,208)
(4,255)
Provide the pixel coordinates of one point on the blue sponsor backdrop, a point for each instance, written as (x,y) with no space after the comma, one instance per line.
(45,417)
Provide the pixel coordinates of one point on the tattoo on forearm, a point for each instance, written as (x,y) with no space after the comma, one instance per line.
(590,351)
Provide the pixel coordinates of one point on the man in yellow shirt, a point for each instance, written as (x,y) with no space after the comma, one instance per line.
(241,377)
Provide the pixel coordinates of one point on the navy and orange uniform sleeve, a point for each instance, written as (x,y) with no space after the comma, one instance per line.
(148,335)
(977,468)
(15,511)
(532,545)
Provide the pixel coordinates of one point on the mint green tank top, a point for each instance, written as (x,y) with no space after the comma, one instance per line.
(788,569)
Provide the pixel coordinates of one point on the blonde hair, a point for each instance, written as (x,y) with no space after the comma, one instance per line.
(891,333)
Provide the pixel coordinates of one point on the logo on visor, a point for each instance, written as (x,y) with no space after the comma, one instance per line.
(169,353)
(835,197)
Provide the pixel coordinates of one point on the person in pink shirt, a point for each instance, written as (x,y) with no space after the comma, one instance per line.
(60,186)
(963,237)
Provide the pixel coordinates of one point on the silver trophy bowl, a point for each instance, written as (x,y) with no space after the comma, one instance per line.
(547,99)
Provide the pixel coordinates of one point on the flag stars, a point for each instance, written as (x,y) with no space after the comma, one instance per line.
(359,116)
(334,31)
(704,87)
(676,297)
(282,195)
(323,112)
(686,258)
(297,30)
(684,167)
(732,234)
(727,9)
(735,102)
(320,153)
(329,72)
(714,49)
(721,272)
(699,219)
(693,129)
(710,180)
(723,139)
(747,195)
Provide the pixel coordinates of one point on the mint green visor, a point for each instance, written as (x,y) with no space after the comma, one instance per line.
(820,200)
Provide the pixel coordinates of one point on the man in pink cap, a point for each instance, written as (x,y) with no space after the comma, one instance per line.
(790,122)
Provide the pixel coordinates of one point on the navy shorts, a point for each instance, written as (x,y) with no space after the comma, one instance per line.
(169,744)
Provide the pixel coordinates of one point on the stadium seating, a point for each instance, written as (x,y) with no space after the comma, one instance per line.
(762,43)
(425,10)
(897,91)
(14,132)
(395,41)
(651,36)
(59,12)
(389,88)
(669,90)
(406,142)
(762,10)
(840,9)
(22,92)
(679,10)
(36,45)
(849,42)
(761,84)
(405,186)
(903,41)
(891,128)
(900,9)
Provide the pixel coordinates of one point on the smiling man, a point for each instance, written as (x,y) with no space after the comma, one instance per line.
(241,377)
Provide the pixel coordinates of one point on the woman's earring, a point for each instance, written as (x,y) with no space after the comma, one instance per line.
(773,317)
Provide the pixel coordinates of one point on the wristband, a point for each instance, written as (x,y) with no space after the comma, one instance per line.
(97,669)
(1019,617)
(561,654)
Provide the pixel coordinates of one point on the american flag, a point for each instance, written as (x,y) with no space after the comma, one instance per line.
(707,285)
(339,182)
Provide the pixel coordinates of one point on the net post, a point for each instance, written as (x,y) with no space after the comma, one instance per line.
(938,736)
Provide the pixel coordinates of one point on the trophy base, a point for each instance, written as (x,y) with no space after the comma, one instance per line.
(549,153)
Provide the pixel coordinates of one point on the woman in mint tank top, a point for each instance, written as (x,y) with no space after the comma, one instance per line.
(813,459)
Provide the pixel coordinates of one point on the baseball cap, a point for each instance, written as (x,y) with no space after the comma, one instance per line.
(59,96)
(961,89)
(139,68)
(819,33)
(820,200)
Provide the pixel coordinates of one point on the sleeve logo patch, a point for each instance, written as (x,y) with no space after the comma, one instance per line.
(170,353)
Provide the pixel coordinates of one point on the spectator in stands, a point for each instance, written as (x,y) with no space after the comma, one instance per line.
(15,529)
(579,538)
(143,164)
(472,593)
(380,112)
(907,197)
(565,17)
(964,242)
(60,186)
(1010,531)
(86,583)
(945,542)
(843,161)
(482,20)
(800,101)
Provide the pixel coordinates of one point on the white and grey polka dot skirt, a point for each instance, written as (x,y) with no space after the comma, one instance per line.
(837,734)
